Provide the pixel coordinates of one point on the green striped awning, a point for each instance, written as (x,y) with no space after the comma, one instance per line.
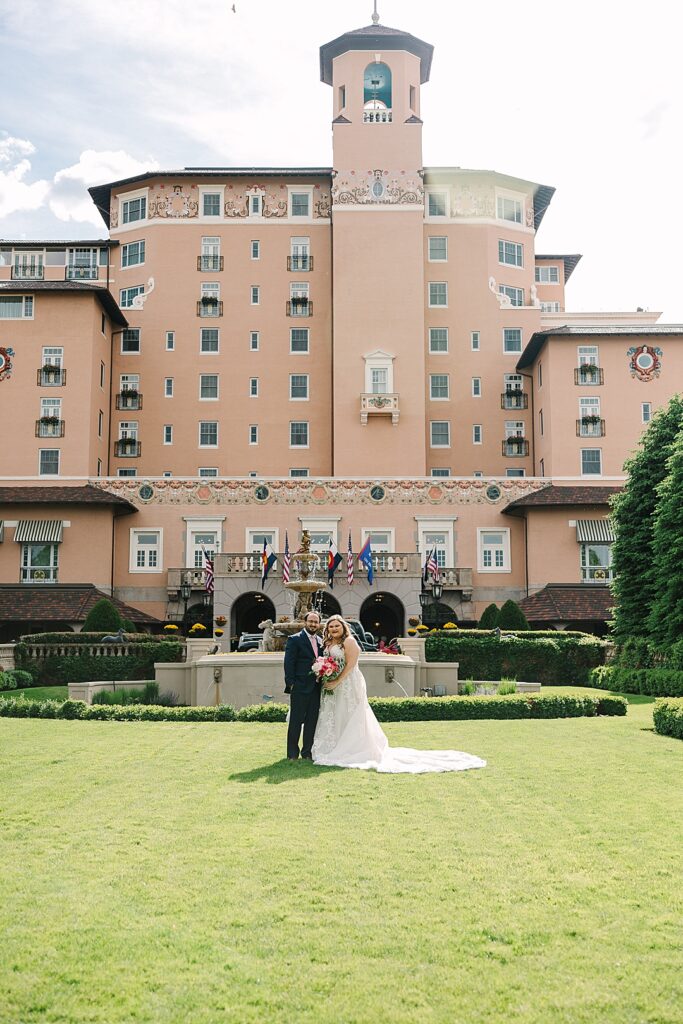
(594,531)
(39,531)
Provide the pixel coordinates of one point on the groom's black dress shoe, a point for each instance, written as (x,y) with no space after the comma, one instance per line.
(307,757)
(292,758)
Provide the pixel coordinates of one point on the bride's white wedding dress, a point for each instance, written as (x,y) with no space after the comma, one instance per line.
(349,736)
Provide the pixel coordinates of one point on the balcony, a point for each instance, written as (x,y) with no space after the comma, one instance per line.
(75,273)
(590,426)
(129,400)
(377,117)
(589,375)
(303,262)
(515,447)
(379,405)
(596,574)
(299,307)
(514,399)
(209,307)
(209,262)
(51,377)
(28,272)
(49,426)
(127,448)
(195,577)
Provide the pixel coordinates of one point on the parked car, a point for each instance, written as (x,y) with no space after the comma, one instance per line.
(250,642)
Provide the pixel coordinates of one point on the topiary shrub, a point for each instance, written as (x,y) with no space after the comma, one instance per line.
(7,681)
(551,658)
(652,682)
(489,618)
(103,617)
(129,626)
(668,718)
(16,678)
(512,617)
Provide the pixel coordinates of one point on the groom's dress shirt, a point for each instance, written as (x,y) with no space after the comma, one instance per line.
(314,643)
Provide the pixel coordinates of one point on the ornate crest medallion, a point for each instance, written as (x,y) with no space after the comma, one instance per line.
(645,362)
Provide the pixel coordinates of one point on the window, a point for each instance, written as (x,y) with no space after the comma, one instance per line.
(132,254)
(255,205)
(168,433)
(512,340)
(208,434)
(547,275)
(254,340)
(209,302)
(127,295)
(646,412)
(253,433)
(541,428)
(167,473)
(298,472)
(126,472)
(342,96)
(515,295)
(298,387)
(211,204)
(208,386)
(475,341)
(438,293)
(550,307)
(168,387)
(440,431)
(209,340)
(53,356)
(541,467)
(300,204)
(298,340)
(412,98)
(476,387)
(299,254)
(477,473)
(438,248)
(437,204)
(379,380)
(514,428)
(129,381)
(591,462)
(253,387)
(509,209)
(210,258)
(438,386)
(540,375)
(100,423)
(494,550)
(255,249)
(255,295)
(103,371)
(48,463)
(170,341)
(207,471)
(99,467)
(596,563)
(203,536)
(298,434)
(298,299)
(130,341)
(510,253)
(513,382)
(255,539)
(441,471)
(476,433)
(39,563)
(515,472)
(133,209)
(438,339)
(16,307)
(587,355)
(103,321)
(128,429)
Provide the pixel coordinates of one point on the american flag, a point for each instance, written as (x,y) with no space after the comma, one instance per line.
(208,572)
(286,561)
(349,563)
(433,565)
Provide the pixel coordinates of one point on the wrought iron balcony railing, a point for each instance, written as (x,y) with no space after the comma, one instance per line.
(128,448)
(28,272)
(300,262)
(514,400)
(51,376)
(590,426)
(129,400)
(589,375)
(209,307)
(515,447)
(81,273)
(299,307)
(209,262)
(49,426)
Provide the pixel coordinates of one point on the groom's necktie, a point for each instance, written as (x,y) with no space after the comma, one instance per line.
(314,645)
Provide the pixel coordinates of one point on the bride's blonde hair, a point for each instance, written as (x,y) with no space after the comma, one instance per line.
(326,631)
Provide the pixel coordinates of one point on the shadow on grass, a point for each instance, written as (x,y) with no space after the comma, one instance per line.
(283,771)
(633,698)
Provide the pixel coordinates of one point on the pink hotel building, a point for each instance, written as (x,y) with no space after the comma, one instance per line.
(373,349)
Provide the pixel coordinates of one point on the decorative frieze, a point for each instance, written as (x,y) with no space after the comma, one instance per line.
(377,187)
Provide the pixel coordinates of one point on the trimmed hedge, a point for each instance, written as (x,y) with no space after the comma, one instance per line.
(90,638)
(547,657)
(79,668)
(387,709)
(668,718)
(652,682)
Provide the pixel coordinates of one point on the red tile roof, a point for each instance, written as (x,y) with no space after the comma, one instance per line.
(87,495)
(567,602)
(66,602)
(555,495)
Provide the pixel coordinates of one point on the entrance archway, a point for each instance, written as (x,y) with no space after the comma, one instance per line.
(437,615)
(383,615)
(328,605)
(247,611)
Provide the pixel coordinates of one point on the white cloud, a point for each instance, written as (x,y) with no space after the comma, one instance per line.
(15,193)
(68,197)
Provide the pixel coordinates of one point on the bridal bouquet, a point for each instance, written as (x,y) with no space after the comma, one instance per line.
(327,669)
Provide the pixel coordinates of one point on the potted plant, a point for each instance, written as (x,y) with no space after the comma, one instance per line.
(220,620)
(50,420)
(590,419)
(50,371)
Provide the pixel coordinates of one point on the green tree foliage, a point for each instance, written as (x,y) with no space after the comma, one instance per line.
(489,617)
(129,626)
(102,616)
(666,614)
(635,586)
(512,617)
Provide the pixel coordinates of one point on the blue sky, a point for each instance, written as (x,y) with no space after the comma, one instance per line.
(585,97)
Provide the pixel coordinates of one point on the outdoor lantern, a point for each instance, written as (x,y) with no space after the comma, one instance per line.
(185,589)
(437,590)
(424,598)
(207,598)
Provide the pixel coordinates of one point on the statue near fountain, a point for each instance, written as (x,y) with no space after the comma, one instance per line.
(305,586)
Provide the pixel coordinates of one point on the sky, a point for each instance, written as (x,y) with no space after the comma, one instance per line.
(585,97)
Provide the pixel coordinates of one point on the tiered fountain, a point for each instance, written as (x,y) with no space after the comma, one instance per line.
(305,586)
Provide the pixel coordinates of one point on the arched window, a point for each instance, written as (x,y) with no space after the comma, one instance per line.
(377,87)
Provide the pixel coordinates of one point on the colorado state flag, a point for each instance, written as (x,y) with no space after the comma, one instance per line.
(268,560)
(333,562)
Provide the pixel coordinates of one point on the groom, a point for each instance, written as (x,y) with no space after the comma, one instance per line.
(301,651)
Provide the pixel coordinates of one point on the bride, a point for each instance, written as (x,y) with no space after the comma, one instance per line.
(349,735)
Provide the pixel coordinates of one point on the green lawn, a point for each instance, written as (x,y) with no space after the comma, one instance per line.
(39,693)
(186,874)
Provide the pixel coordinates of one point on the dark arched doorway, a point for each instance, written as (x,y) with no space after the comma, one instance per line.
(247,611)
(327,605)
(383,615)
(201,613)
(437,615)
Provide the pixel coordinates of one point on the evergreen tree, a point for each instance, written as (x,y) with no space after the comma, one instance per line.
(666,615)
(103,617)
(129,626)
(512,617)
(635,583)
(489,617)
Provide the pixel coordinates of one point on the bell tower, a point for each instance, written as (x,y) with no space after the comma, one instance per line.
(378,264)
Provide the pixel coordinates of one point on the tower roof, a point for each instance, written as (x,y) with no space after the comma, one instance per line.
(375,38)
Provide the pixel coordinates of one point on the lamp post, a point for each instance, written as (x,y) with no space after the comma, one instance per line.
(185,591)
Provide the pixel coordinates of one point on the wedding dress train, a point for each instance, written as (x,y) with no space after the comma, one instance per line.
(349,736)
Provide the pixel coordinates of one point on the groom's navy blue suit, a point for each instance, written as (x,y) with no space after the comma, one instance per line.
(304,688)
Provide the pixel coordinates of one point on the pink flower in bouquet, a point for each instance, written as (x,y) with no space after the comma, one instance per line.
(327,669)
